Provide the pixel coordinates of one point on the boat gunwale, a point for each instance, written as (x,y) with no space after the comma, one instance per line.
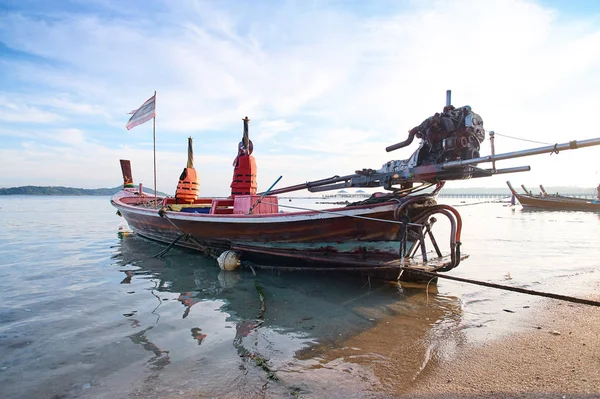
(562,203)
(330,213)
(564,200)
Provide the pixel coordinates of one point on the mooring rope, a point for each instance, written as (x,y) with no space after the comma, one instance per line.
(342,214)
(183,234)
(164,251)
(509,288)
(433,275)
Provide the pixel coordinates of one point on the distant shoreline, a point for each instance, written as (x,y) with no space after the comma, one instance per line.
(64,191)
(475,191)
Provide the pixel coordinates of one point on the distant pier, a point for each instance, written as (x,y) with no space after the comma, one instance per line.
(507,194)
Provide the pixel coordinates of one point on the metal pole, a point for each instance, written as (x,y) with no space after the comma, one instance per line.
(190,161)
(448,97)
(309,185)
(154,148)
(246,137)
(571,145)
(264,195)
(511,170)
(492,135)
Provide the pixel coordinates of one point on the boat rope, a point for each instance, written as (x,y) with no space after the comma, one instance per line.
(554,150)
(518,138)
(163,214)
(342,214)
(164,251)
(508,288)
(434,275)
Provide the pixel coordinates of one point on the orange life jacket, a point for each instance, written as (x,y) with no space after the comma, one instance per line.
(188,186)
(244,176)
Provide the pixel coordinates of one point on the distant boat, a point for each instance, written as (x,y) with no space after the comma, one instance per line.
(554,201)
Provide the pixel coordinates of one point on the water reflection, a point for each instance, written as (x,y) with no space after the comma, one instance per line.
(161,357)
(290,332)
(563,211)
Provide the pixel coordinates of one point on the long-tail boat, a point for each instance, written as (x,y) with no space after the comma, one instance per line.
(555,201)
(383,235)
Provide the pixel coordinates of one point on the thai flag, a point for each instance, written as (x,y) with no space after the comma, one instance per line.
(142,114)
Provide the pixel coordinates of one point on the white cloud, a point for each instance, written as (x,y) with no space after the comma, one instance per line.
(268,129)
(326,89)
(11,111)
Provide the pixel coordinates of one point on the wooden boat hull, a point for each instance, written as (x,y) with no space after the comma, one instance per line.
(558,203)
(364,238)
(308,231)
(554,202)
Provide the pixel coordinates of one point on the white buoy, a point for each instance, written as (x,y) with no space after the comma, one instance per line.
(228,260)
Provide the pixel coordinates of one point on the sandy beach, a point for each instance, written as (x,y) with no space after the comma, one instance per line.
(553,351)
(559,357)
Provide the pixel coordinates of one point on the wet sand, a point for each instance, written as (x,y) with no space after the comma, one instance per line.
(553,351)
(558,357)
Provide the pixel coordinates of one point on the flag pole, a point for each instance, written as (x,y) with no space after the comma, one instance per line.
(154,148)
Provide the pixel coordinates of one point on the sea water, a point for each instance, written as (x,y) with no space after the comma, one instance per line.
(87,311)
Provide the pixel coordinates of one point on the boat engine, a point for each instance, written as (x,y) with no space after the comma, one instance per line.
(454,134)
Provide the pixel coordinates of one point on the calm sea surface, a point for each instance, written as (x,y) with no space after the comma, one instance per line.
(86,311)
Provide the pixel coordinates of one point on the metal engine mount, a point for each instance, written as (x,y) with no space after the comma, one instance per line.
(454,134)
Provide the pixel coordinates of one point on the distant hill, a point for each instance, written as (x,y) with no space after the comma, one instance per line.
(59,190)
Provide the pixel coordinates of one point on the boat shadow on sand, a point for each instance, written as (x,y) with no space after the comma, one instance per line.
(295,330)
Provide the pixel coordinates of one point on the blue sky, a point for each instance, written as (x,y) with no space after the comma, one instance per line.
(327,85)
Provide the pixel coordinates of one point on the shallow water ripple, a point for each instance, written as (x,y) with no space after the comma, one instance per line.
(86,311)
